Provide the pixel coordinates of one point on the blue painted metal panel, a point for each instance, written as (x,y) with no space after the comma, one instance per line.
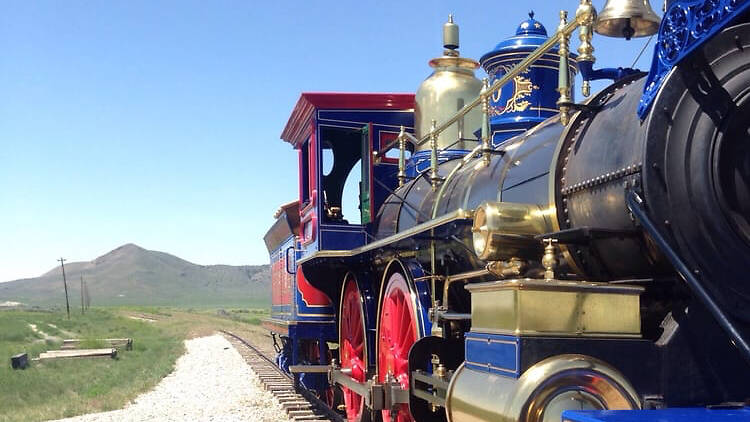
(341,236)
(394,118)
(422,287)
(660,415)
(532,96)
(686,25)
(494,353)
(420,161)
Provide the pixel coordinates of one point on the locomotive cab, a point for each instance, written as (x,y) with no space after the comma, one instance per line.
(337,136)
(345,174)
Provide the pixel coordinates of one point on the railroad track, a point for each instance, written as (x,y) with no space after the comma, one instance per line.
(301,405)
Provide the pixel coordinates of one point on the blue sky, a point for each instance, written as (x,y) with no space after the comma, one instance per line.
(158,122)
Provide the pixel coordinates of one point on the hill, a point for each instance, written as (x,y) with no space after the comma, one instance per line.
(131,275)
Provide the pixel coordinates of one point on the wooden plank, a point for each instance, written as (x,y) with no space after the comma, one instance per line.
(74,342)
(80,353)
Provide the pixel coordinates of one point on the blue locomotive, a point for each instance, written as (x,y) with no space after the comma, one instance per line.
(512,255)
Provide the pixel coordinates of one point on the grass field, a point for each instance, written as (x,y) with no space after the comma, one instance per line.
(61,388)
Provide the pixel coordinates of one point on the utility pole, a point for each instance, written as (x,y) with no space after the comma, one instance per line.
(65,283)
(82,295)
(86,294)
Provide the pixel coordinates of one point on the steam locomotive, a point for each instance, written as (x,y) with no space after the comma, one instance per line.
(517,256)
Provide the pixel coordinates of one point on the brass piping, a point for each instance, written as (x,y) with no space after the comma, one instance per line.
(411,138)
(401,157)
(434,177)
(459,277)
(486,149)
(406,136)
(586,49)
(433,268)
(563,86)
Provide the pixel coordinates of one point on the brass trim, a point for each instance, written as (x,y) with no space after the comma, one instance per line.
(531,333)
(503,230)
(547,378)
(486,365)
(535,392)
(556,285)
(461,277)
(459,214)
(537,307)
(277,321)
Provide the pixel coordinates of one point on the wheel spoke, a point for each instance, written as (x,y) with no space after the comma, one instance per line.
(352,343)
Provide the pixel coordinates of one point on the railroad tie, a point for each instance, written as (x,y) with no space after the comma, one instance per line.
(301,412)
(309,418)
(299,405)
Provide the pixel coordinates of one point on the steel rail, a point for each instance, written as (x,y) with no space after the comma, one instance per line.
(307,394)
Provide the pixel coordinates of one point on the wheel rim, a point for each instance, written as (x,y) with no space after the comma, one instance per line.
(397,332)
(352,345)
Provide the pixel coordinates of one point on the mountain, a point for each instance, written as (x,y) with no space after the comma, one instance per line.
(131,275)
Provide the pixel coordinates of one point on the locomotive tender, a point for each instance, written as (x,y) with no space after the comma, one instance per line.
(521,257)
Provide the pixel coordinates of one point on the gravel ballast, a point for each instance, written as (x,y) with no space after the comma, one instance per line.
(210,382)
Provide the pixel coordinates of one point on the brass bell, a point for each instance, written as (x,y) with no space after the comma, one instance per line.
(627,19)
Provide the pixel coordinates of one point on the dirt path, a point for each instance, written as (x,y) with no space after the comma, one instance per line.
(210,382)
(44,335)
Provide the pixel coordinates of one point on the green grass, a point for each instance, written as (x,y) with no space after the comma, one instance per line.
(250,316)
(62,388)
(68,387)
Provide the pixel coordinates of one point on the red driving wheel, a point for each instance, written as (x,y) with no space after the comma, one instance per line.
(352,346)
(397,332)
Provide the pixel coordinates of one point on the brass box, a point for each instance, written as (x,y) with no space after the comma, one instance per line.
(555,308)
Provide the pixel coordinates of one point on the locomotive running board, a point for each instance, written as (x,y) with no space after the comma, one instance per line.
(451,217)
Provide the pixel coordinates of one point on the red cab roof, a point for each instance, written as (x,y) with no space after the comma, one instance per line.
(297,128)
